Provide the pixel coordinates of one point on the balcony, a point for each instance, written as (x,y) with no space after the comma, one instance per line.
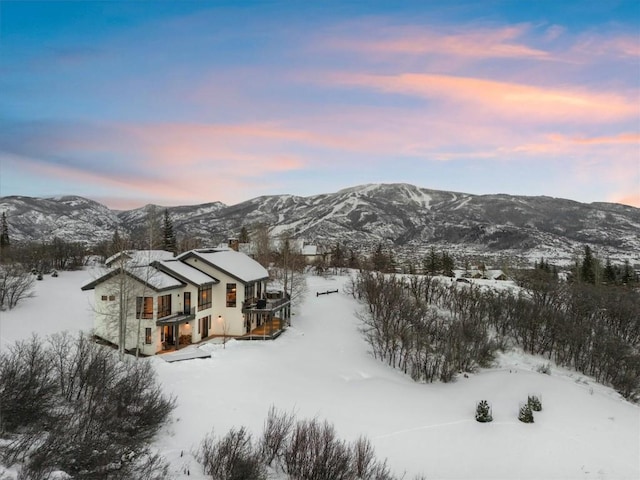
(274,301)
(177,318)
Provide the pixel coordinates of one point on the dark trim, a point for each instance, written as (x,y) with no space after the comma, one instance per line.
(181,278)
(113,273)
(212,265)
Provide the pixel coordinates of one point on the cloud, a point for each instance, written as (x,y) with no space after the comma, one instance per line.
(474,42)
(507,100)
(632,199)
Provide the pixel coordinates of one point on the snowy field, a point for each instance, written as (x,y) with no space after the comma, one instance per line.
(320,368)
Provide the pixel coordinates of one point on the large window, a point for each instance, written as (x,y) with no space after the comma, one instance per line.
(144,307)
(231,294)
(164,306)
(249,291)
(204,297)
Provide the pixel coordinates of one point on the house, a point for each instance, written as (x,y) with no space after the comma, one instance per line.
(171,301)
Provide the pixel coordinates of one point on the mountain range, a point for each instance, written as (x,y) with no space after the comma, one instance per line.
(407,217)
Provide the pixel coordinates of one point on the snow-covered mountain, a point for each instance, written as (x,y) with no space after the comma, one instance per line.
(409,217)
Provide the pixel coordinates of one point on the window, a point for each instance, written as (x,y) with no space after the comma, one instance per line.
(104,298)
(231,294)
(204,297)
(164,306)
(144,307)
(249,291)
(147,336)
(112,298)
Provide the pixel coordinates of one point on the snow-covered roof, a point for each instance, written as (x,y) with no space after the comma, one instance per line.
(310,250)
(140,257)
(236,264)
(186,272)
(153,277)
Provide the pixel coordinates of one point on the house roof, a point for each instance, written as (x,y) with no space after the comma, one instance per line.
(140,257)
(186,272)
(148,275)
(310,250)
(234,264)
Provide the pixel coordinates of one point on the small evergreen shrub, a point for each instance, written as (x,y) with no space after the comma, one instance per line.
(535,403)
(526,414)
(483,412)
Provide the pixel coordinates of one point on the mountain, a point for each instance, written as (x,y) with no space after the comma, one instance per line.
(409,217)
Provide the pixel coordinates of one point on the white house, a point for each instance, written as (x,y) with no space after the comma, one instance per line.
(171,302)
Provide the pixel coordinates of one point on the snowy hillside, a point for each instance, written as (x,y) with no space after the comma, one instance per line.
(406,217)
(320,368)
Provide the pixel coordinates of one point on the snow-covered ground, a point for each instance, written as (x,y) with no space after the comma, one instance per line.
(320,368)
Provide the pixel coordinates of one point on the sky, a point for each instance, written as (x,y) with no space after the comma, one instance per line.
(180,103)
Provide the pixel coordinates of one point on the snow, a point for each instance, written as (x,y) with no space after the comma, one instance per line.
(189,273)
(235,263)
(141,257)
(320,368)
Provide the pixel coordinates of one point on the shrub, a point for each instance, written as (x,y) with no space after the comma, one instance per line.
(96,419)
(534,402)
(302,450)
(232,457)
(16,284)
(275,435)
(483,412)
(526,414)
(27,385)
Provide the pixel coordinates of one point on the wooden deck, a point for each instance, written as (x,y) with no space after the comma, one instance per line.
(265,331)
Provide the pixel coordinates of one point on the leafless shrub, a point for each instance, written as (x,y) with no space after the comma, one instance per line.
(365,466)
(27,385)
(97,417)
(275,435)
(301,450)
(16,284)
(316,453)
(232,457)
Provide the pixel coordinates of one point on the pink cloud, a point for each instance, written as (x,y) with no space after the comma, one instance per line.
(511,100)
(631,199)
(499,42)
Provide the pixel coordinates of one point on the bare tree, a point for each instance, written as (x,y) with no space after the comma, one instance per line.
(289,267)
(16,284)
(262,244)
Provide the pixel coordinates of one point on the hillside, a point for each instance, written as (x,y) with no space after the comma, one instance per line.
(400,215)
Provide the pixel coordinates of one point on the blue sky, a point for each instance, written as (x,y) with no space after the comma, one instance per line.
(178,103)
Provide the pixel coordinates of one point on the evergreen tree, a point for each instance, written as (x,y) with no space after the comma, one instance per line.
(432,262)
(447,264)
(379,260)
(483,412)
(526,414)
(588,268)
(337,257)
(168,236)
(244,235)
(534,402)
(354,261)
(4,233)
(609,272)
(116,243)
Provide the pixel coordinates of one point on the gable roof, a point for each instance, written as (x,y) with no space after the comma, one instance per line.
(235,264)
(140,257)
(147,275)
(185,272)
